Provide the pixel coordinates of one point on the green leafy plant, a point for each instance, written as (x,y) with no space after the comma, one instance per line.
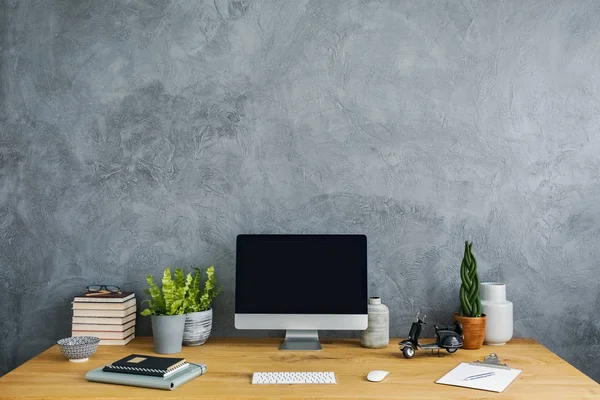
(172,299)
(470,303)
(199,299)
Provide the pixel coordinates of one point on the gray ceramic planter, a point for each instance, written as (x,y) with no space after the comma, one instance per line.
(168,333)
(197,328)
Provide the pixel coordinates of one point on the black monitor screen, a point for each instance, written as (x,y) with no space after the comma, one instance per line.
(301,274)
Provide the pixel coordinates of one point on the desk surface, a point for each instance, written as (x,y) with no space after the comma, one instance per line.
(231,362)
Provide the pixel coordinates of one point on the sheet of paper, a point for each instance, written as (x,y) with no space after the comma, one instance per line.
(496,383)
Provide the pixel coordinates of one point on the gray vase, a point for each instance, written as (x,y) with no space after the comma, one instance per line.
(377,334)
(168,333)
(197,327)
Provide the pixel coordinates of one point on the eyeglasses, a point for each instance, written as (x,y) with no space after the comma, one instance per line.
(103,289)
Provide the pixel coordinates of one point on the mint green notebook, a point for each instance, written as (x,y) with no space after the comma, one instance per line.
(155,382)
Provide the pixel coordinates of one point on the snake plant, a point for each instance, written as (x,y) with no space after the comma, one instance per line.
(470,303)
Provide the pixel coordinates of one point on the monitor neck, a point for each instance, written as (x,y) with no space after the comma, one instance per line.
(296,339)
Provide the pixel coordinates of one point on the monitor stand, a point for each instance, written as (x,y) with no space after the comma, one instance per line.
(301,340)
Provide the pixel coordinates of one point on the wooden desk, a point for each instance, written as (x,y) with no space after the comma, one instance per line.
(232,361)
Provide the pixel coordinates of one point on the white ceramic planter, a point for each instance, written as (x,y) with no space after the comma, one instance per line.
(197,327)
(499,312)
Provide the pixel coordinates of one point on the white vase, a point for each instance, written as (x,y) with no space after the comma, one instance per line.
(377,334)
(498,311)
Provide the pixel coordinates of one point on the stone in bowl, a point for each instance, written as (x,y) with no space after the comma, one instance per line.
(78,349)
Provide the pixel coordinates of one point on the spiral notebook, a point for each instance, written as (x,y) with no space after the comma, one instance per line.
(147,365)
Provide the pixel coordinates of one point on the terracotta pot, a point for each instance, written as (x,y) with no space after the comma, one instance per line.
(473,331)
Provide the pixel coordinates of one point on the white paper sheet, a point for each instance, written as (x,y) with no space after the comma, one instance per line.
(496,383)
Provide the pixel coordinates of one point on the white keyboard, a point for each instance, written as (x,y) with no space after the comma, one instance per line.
(293,378)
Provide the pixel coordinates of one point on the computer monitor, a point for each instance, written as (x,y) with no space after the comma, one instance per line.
(301,283)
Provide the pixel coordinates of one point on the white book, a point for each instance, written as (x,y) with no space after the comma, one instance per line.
(105,320)
(116,342)
(105,298)
(106,335)
(492,379)
(103,327)
(104,313)
(104,306)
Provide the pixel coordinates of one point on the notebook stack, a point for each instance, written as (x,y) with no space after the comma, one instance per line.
(109,316)
(139,364)
(147,371)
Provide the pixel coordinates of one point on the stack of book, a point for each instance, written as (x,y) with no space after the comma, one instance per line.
(109,316)
(147,371)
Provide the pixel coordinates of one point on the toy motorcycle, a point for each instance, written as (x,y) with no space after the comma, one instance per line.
(446,337)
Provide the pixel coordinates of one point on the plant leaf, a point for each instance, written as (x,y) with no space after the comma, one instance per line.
(193,294)
(209,292)
(158,305)
(149,310)
(179,277)
(176,307)
(168,289)
(146,312)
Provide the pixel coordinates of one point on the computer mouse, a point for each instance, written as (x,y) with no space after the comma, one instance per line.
(377,375)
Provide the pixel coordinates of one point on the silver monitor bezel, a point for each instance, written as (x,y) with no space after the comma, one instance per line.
(302,321)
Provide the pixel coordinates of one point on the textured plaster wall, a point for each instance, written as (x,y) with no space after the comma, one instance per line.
(140,134)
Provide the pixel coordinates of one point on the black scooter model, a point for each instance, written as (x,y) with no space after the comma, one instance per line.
(446,337)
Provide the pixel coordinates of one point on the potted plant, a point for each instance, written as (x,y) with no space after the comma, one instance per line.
(470,315)
(198,318)
(166,309)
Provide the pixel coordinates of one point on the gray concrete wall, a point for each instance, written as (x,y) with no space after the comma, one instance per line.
(141,134)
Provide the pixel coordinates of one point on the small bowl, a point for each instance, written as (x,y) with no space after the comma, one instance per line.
(79,348)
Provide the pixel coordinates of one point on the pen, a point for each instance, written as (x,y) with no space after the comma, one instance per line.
(479,376)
